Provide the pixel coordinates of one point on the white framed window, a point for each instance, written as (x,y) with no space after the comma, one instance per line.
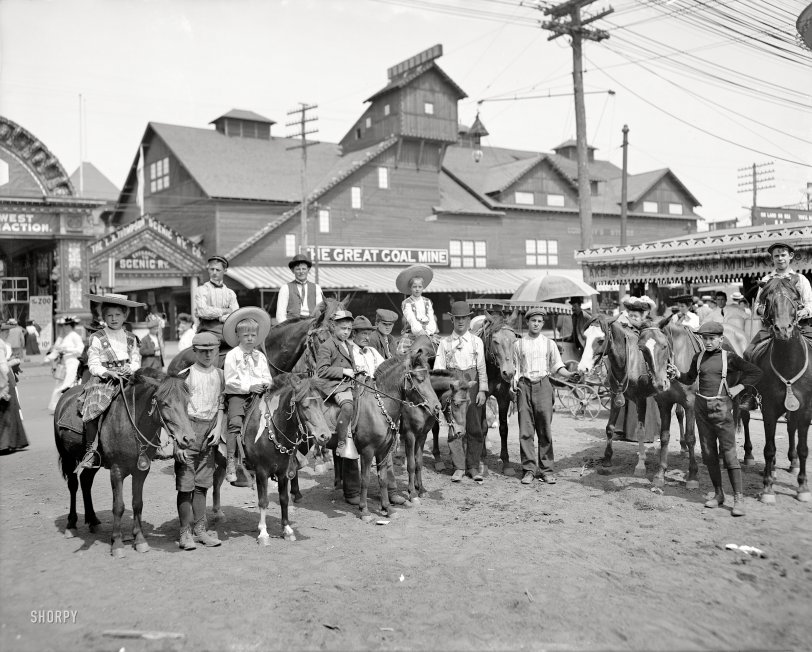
(541,253)
(428,108)
(467,253)
(159,175)
(368,122)
(355,196)
(524,198)
(555,200)
(324,221)
(290,244)
(675,209)
(386,109)
(650,207)
(383,177)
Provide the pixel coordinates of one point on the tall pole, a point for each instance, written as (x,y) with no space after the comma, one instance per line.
(624,208)
(81,147)
(755,195)
(302,133)
(755,177)
(567,19)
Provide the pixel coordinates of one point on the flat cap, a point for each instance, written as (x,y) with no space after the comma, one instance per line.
(361,323)
(205,340)
(711,328)
(388,316)
(218,259)
(534,312)
(784,245)
(341,315)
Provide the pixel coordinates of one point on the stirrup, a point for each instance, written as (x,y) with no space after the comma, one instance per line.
(89,461)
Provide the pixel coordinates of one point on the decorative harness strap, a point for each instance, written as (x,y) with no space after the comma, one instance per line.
(722,392)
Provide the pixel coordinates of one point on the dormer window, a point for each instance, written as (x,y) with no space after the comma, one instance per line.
(428,108)
(368,122)
(159,175)
(358,133)
(386,109)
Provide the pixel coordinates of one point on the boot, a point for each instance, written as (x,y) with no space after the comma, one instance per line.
(90,457)
(231,469)
(718,499)
(186,542)
(343,427)
(457,454)
(738,505)
(201,535)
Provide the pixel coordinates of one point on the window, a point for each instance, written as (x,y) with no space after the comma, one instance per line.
(358,133)
(428,108)
(525,198)
(386,109)
(594,189)
(383,177)
(356,196)
(368,122)
(467,253)
(159,175)
(290,244)
(541,252)
(555,200)
(650,207)
(675,209)
(324,221)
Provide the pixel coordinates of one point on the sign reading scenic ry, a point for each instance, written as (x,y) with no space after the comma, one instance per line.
(381,256)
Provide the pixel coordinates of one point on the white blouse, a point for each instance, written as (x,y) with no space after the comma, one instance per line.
(96,356)
(419,314)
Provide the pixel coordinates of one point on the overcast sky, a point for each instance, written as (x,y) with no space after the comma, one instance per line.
(694,81)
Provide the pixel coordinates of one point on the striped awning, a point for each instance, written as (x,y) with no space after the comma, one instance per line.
(378,280)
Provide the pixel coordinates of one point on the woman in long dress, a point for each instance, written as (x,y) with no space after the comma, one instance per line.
(65,353)
(12,430)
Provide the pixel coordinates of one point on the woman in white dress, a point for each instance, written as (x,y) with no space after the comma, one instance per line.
(69,347)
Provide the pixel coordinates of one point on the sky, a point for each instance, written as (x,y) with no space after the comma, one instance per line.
(705,88)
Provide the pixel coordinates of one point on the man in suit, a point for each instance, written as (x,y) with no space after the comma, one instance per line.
(152,355)
(381,338)
(335,366)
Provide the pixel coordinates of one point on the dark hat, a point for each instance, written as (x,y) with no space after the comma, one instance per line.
(460,309)
(219,259)
(636,304)
(205,340)
(300,258)
(341,315)
(532,312)
(711,328)
(578,300)
(776,245)
(389,316)
(185,317)
(361,323)
(70,321)
(683,298)
(116,299)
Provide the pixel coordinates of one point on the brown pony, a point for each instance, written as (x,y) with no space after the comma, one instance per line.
(129,436)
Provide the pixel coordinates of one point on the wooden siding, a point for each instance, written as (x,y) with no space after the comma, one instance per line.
(382,126)
(238,221)
(442,125)
(542,180)
(665,192)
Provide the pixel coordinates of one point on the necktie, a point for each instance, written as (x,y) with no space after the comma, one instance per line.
(386,346)
(249,356)
(302,292)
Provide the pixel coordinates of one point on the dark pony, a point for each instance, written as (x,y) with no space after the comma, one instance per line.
(786,381)
(128,432)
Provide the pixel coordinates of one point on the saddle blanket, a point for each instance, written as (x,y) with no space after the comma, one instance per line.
(71,420)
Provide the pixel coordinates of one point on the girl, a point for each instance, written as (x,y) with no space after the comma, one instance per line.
(418,312)
(112,356)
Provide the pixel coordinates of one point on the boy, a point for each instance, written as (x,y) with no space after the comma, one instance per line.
(112,356)
(151,349)
(382,339)
(186,331)
(536,358)
(194,467)
(246,372)
(714,408)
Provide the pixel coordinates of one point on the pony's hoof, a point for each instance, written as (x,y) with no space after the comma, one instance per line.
(297,497)
(287,533)
(141,547)
(220,516)
(320,468)
(93,528)
(640,471)
(70,533)
(367,518)
(416,500)
(118,553)
(439,466)
(264,540)
(749,461)
(658,481)
(768,499)
(692,484)
(803,496)
(794,466)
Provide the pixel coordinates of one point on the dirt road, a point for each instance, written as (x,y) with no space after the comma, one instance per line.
(594,562)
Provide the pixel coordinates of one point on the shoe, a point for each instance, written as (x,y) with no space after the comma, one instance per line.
(528,477)
(201,535)
(87,462)
(717,501)
(231,469)
(548,477)
(457,477)
(738,505)
(186,542)
(352,500)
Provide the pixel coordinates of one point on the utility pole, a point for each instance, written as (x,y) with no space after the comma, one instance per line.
(566,19)
(302,133)
(753,178)
(624,209)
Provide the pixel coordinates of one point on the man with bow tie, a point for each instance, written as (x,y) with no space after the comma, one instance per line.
(214,302)
(464,351)
(300,297)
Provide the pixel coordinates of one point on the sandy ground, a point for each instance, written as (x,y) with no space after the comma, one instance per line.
(594,562)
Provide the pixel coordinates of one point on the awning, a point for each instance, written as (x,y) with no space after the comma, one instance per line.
(379,280)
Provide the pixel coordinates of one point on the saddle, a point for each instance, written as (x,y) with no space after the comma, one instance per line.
(71,419)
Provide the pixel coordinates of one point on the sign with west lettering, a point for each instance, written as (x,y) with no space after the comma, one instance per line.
(380,256)
(144,260)
(28,224)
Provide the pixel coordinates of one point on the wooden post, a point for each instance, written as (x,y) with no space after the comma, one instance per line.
(624,209)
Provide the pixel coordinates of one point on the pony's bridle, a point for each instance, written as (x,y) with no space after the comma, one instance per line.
(303,432)
(145,442)
(781,292)
(645,359)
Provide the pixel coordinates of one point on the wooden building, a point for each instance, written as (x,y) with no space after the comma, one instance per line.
(405,184)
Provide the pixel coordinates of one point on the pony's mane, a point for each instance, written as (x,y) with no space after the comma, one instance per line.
(167,388)
(782,282)
(304,387)
(390,371)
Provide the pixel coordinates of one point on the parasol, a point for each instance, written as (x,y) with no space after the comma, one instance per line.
(543,288)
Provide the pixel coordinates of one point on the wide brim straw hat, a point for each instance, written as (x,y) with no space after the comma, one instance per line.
(249,312)
(403,279)
(116,299)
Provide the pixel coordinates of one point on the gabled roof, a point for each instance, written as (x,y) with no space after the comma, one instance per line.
(571,143)
(242,114)
(640,184)
(94,184)
(503,176)
(455,199)
(410,75)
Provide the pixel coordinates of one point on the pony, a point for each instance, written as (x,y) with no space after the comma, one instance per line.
(631,372)
(786,381)
(416,421)
(129,436)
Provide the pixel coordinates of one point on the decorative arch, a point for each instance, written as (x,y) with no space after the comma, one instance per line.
(32,153)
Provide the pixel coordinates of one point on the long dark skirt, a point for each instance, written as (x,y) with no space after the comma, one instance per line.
(12,430)
(31,345)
